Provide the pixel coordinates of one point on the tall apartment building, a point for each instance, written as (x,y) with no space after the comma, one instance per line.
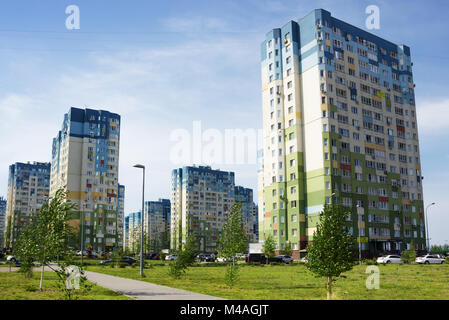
(126,234)
(134,221)
(201,199)
(157,224)
(245,196)
(28,189)
(2,222)
(85,158)
(120,215)
(339,117)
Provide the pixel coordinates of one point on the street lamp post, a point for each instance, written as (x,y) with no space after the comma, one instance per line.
(427,228)
(82,235)
(141,217)
(358,226)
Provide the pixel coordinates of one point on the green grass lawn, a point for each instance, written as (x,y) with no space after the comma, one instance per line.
(291,282)
(14,286)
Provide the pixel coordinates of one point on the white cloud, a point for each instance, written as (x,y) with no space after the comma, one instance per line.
(155,90)
(433,116)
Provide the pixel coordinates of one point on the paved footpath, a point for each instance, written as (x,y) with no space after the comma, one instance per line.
(139,290)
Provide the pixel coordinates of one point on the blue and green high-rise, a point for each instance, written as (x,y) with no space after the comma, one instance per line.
(340,124)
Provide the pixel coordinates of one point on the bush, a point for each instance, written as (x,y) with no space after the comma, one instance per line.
(408,256)
(370,262)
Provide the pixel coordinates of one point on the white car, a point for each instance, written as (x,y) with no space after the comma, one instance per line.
(11,258)
(430,259)
(171,257)
(304,260)
(389,259)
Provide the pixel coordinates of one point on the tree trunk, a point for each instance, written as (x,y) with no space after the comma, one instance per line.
(42,277)
(329,288)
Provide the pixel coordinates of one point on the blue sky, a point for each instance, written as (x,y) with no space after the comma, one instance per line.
(163,65)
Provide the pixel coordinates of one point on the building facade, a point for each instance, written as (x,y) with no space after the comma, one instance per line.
(201,199)
(126,234)
(2,222)
(340,124)
(134,221)
(157,225)
(28,189)
(120,215)
(245,197)
(85,159)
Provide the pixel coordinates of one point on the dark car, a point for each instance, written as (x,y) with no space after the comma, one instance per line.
(206,258)
(153,256)
(256,257)
(127,260)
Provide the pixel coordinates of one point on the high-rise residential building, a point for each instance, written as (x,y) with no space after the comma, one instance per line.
(134,221)
(28,189)
(340,124)
(201,200)
(120,215)
(157,224)
(2,222)
(245,197)
(126,234)
(85,159)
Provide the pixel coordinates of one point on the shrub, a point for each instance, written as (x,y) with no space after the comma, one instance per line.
(370,262)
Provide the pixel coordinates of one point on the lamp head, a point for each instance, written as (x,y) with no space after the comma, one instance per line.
(139,166)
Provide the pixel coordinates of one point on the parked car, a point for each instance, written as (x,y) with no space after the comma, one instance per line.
(12,259)
(284,258)
(206,257)
(78,253)
(256,257)
(171,257)
(152,256)
(389,259)
(304,260)
(221,259)
(430,259)
(127,260)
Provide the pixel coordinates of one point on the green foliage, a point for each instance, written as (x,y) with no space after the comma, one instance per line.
(332,251)
(116,257)
(186,258)
(46,236)
(233,240)
(232,274)
(26,247)
(63,274)
(409,256)
(370,262)
(438,249)
(288,249)
(269,247)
